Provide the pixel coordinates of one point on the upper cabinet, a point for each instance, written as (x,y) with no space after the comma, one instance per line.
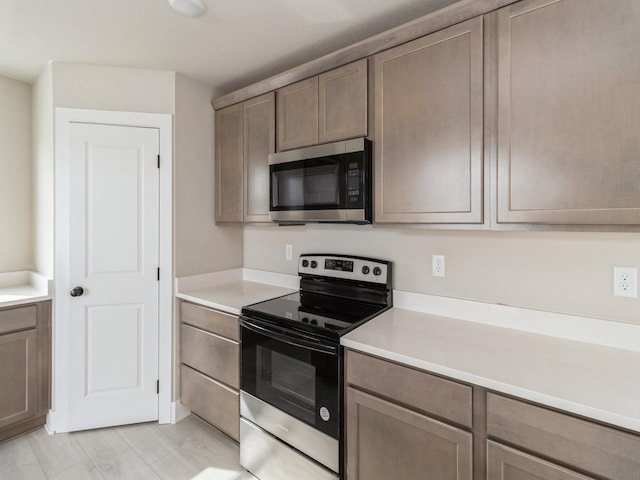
(325,108)
(259,142)
(245,136)
(568,76)
(429,128)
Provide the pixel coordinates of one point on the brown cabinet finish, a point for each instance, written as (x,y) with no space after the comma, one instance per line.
(259,141)
(210,320)
(568,112)
(589,447)
(417,389)
(18,318)
(18,377)
(297,111)
(245,136)
(210,370)
(342,95)
(229,164)
(216,403)
(24,367)
(211,354)
(505,463)
(429,128)
(385,440)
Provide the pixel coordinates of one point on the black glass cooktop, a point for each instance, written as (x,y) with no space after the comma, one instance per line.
(314,312)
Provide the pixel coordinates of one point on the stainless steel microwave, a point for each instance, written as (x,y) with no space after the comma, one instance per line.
(328,183)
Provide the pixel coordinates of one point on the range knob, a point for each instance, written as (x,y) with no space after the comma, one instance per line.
(305,320)
(314,264)
(377,271)
(313,321)
(305,263)
(365,269)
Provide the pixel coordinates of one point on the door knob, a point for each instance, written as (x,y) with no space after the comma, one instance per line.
(76,291)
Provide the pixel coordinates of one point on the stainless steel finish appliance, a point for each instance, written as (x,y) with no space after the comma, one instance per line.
(328,183)
(291,399)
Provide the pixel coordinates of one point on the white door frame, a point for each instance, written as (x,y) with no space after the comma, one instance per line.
(57,419)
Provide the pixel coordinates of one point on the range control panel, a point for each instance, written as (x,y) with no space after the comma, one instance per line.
(345,266)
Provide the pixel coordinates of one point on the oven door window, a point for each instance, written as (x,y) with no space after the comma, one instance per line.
(308,184)
(298,381)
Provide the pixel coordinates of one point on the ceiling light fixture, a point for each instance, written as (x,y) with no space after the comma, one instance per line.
(189,8)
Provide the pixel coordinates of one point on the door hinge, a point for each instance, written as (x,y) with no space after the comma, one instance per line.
(158,386)
(158,273)
(158,160)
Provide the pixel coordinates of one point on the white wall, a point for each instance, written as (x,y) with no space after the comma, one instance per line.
(200,245)
(558,272)
(77,85)
(15,175)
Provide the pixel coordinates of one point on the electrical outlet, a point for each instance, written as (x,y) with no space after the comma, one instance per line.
(625,282)
(437,265)
(288,252)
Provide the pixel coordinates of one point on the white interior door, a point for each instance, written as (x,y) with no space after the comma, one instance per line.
(113,243)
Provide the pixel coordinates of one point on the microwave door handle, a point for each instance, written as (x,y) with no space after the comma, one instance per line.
(326,349)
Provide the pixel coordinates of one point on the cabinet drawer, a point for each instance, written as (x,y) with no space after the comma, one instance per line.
(504,463)
(587,446)
(429,393)
(217,404)
(212,355)
(18,318)
(210,320)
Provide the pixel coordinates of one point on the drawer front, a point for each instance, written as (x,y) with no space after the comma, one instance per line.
(587,446)
(212,355)
(217,404)
(210,320)
(429,393)
(18,318)
(504,463)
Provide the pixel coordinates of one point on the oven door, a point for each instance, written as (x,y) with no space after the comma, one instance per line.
(293,372)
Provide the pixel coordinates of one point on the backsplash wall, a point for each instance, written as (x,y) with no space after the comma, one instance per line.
(564,272)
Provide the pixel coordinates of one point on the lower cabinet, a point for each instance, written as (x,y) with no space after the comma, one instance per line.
(210,370)
(24,367)
(504,463)
(577,444)
(402,422)
(391,431)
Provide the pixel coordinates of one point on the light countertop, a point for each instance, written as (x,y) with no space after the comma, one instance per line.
(231,297)
(17,288)
(231,290)
(596,381)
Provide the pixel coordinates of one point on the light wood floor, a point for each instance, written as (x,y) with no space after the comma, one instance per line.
(190,449)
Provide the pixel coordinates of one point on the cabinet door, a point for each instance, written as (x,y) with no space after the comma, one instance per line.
(387,441)
(429,128)
(568,112)
(505,463)
(297,109)
(342,95)
(18,377)
(259,142)
(229,164)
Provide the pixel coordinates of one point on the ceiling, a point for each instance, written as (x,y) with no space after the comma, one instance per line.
(236,43)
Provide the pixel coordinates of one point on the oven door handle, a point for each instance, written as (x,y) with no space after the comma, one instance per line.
(295,342)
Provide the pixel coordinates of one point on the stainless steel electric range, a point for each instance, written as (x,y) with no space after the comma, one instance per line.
(291,398)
